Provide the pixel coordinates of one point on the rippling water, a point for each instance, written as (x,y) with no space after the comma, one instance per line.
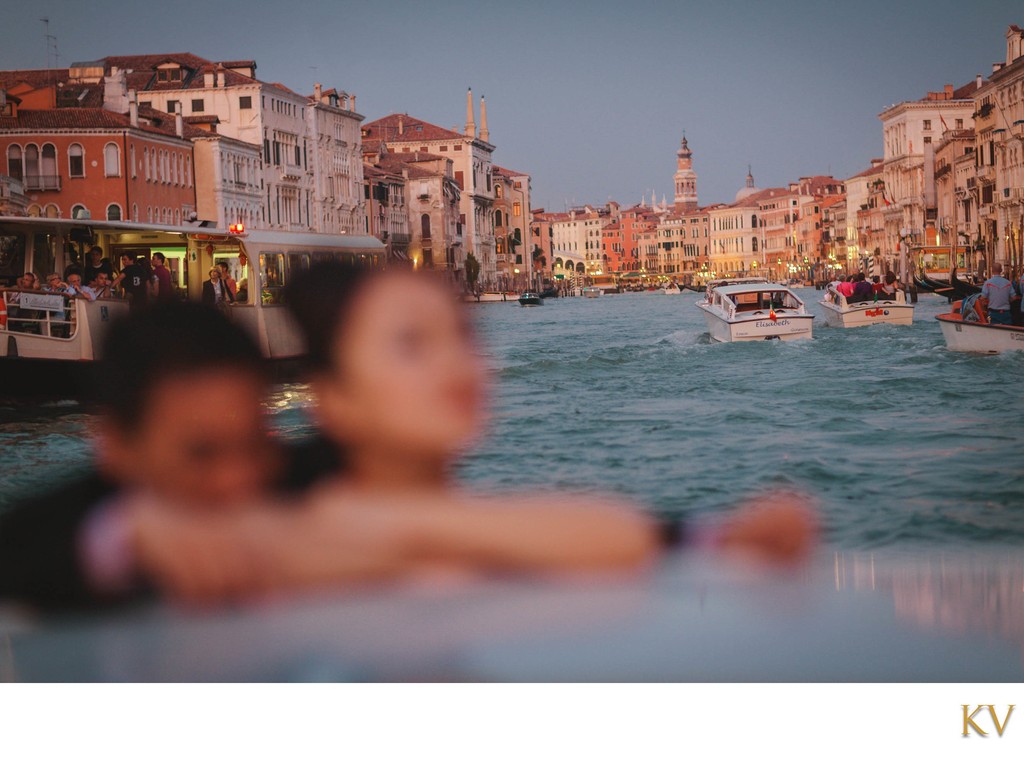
(906,444)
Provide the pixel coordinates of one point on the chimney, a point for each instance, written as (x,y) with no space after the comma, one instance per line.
(401,125)
(207,79)
(318,92)
(352,102)
(977,81)
(485,133)
(133,108)
(115,91)
(179,123)
(470,130)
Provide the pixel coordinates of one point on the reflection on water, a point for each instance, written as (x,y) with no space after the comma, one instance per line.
(955,594)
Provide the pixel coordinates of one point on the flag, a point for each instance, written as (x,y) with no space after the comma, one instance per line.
(945,128)
(771,315)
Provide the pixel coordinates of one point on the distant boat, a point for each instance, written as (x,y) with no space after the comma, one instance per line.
(531,299)
(754,310)
(966,328)
(841,313)
(592,291)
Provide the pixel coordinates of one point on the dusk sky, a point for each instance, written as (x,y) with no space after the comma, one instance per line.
(591,99)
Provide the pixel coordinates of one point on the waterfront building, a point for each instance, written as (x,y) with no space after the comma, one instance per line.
(910,131)
(512,237)
(335,142)
(735,245)
(576,240)
(433,203)
(855,240)
(814,194)
(384,196)
(117,162)
(470,153)
(955,175)
(684,241)
(999,142)
(299,166)
(541,236)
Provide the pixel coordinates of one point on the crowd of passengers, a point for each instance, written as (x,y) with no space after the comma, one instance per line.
(141,279)
(857,289)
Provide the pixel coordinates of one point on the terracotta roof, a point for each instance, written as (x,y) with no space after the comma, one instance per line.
(868,172)
(831,200)
(89,118)
(508,172)
(33,77)
(413,130)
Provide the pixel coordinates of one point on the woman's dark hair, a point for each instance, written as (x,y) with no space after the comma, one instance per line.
(320,298)
(166,340)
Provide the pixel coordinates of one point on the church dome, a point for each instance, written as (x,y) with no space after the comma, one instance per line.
(747,190)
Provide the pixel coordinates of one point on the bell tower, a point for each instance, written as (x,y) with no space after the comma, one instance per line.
(685,179)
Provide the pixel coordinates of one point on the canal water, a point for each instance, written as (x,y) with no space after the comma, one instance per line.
(905,445)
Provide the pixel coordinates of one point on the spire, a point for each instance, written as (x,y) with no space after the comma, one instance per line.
(750,177)
(485,133)
(470,121)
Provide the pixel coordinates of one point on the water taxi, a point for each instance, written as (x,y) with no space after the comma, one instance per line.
(592,291)
(754,310)
(47,340)
(530,298)
(839,312)
(966,328)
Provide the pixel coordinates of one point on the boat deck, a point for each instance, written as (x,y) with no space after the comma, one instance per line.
(842,618)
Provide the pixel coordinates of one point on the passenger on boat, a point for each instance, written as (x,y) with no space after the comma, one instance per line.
(75,287)
(101,286)
(889,287)
(54,284)
(227,279)
(845,286)
(96,264)
(862,290)
(164,289)
(134,281)
(998,290)
(215,291)
(242,296)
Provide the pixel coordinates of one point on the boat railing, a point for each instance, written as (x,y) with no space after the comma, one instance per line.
(45,314)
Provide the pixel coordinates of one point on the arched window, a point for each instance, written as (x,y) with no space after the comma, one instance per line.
(753,244)
(753,221)
(497,219)
(135,211)
(52,211)
(78,211)
(558,263)
(32,166)
(15,168)
(177,216)
(34,210)
(76,160)
(188,171)
(145,162)
(48,167)
(113,212)
(149,214)
(425,226)
(580,268)
(131,165)
(111,160)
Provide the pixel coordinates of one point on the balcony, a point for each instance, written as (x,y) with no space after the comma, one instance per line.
(42,183)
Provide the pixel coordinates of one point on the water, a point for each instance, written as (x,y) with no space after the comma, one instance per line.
(906,445)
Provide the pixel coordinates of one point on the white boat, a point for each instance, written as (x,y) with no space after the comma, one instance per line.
(672,289)
(971,332)
(841,313)
(47,348)
(593,291)
(755,310)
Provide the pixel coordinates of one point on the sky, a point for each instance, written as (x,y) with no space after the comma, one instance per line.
(590,99)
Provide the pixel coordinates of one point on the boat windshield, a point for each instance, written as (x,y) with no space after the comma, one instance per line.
(764,299)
